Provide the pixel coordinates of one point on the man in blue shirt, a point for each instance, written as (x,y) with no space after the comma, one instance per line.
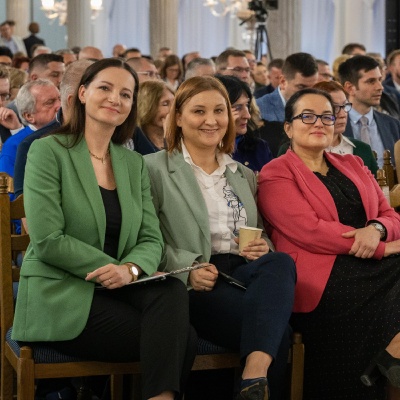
(362,80)
(37,103)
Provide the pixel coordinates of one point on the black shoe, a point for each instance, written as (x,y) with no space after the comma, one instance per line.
(383,364)
(257,391)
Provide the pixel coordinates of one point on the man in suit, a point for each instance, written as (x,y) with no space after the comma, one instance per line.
(274,75)
(299,71)
(47,66)
(32,39)
(37,102)
(14,43)
(362,80)
(233,62)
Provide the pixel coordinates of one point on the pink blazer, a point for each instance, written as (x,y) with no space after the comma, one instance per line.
(301,217)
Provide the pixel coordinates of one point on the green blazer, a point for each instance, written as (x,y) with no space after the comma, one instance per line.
(182,210)
(67,223)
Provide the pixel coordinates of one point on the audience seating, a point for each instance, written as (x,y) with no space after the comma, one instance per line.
(38,361)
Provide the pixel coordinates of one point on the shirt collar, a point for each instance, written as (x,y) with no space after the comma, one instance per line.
(282,98)
(355,115)
(223,159)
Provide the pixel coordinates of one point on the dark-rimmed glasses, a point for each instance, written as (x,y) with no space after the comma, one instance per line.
(151,74)
(310,118)
(345,107)
(239,70)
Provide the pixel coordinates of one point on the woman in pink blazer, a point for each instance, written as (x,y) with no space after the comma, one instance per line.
(328,212)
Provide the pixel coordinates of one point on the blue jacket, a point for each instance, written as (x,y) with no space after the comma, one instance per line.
(271,106)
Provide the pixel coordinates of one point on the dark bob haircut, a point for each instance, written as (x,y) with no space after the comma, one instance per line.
(292,102)
(235,87)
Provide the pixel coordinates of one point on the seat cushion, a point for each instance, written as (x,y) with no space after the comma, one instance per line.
(43,354)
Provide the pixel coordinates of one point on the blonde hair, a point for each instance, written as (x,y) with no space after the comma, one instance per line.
(336,64)
(185,92)
(150,93)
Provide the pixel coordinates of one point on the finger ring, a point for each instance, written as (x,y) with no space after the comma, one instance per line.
(110,281)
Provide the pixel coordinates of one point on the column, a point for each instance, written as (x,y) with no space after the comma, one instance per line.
(19,11)
(79,23)
(284,28)
(163,25)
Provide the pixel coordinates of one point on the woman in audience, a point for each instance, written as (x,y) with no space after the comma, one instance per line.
(328,212)
(93,232)
(154,102)
(17,78)
(202,198)
(250,150)
(342,144)
(172,72)
(21,63)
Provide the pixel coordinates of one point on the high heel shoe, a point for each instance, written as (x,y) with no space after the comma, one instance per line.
(383,364)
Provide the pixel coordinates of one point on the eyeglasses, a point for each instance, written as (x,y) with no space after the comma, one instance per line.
(151,74)
(310,118)
(5,96)
(345,107)
(239,70)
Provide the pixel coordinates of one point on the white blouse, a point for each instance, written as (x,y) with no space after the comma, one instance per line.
(226,213)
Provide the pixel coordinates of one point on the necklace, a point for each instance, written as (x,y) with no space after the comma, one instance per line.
(102,159)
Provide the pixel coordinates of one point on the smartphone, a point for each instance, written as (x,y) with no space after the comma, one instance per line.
(232,281)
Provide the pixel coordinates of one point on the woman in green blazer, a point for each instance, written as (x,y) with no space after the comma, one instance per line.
(202,198)
(94,231)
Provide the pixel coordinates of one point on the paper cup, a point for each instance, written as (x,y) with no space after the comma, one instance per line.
(246,235)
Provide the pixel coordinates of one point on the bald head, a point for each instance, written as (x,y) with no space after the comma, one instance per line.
(90,52)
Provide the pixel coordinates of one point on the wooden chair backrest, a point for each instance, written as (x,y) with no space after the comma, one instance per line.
(9,244)
(397,159)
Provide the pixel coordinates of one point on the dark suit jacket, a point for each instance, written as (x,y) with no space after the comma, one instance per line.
(67,224)
(271,106)
(30,41)
(388,129)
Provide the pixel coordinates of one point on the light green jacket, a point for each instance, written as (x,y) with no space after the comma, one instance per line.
(182,210)
(67,223)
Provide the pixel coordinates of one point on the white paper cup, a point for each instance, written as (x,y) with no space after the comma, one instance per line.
(248,234)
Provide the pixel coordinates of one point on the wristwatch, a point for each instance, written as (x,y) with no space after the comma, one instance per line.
(380,228)
(133,270)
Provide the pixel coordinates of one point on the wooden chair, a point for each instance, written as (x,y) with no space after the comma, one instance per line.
(396,156)
(39,361)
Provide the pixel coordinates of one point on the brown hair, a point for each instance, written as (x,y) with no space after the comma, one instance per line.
(185,92)
(331,86)
(170,61)
(150,93)
(76,125)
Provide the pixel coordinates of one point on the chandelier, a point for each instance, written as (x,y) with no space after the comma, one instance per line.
(219,8)
(54,9)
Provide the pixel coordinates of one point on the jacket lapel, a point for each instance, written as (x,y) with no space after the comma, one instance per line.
(183,178)
(81,161)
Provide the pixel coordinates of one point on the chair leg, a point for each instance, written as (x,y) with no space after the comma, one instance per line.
(297,368)
(26,379)
(7,375)
(116,386)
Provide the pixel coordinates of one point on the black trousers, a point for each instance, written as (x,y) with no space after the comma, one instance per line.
(256,319)
(147,322)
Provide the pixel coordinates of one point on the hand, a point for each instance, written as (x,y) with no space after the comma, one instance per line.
(366,241)
(203,279)
(392,248)
(9,119)
(110,276)
(254,249)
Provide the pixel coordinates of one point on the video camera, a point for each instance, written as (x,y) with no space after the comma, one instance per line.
(260,8)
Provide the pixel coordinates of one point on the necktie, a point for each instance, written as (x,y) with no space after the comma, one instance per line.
(364,130)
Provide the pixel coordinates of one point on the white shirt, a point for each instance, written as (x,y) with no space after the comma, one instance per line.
(226,213)
(346,146)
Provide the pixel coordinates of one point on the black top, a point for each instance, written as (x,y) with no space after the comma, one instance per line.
(346,197)
(113,221)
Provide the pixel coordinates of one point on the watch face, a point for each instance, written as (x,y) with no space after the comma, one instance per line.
(134,270)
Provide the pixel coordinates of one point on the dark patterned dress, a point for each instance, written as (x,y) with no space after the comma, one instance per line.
(358,315)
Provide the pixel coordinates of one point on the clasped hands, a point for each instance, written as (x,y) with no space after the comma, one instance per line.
(366,241)
(204,279)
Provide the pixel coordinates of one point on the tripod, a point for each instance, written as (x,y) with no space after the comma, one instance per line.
(262,37)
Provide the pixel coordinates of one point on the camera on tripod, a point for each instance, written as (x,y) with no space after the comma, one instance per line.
(261,7)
